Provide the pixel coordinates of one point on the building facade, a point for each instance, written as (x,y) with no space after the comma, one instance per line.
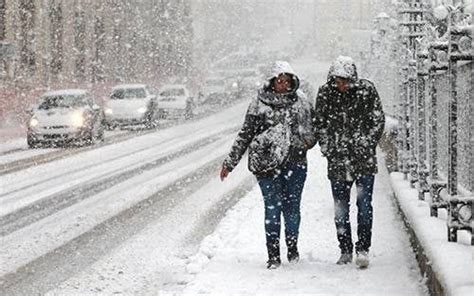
(79,41)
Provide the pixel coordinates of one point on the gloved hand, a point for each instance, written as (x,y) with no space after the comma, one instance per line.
(223,173)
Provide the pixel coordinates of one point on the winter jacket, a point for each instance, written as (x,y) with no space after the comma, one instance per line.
(270,110)
(349,124)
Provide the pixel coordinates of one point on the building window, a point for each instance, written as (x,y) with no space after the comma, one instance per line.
(2,20)
(27,34)
(80,44)
(99,51)
(56,17)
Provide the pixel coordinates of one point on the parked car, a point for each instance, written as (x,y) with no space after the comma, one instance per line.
(175,101)
(64,116)
(214,91)
(131,104)
(213,85)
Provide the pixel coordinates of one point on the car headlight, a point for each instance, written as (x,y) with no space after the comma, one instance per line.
(34,122)
(77,119)
(141,110)
(109,111)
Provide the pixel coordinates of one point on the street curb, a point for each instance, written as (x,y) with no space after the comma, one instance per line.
(435,286)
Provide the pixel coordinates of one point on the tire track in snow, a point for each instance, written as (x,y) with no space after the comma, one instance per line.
(37,277)
(45,157)
(56,202)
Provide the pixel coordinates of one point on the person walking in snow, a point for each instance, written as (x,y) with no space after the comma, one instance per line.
(350,122)
(278,130)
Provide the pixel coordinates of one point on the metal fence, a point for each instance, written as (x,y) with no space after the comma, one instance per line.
(436,137)
(465,90)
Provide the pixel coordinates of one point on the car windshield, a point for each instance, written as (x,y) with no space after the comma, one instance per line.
(172,92)
(62,101)
(128,93)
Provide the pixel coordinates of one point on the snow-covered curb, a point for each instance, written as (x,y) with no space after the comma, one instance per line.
(448,266)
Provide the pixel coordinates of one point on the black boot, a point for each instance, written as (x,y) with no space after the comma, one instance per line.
(274,260)
(273,263)
(293,255)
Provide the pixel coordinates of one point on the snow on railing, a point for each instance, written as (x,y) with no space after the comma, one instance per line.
(436,91)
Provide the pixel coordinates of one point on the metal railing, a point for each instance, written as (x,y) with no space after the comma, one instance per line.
(436,137)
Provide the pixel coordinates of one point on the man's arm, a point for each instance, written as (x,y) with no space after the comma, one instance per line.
(377,118)
(320,120)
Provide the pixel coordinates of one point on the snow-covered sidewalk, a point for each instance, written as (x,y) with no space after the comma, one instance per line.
(452,263)
(232,259)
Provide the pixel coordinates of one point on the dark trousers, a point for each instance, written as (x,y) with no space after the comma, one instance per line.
(282,194)
(341,193)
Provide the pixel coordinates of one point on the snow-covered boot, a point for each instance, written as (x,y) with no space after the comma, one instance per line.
(273,263)
(344,259)
(362,259)
(274,260)
(293,255)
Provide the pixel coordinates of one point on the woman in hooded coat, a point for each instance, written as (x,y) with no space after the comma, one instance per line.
(278,130)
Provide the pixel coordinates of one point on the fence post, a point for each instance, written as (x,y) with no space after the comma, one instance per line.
(422,157)
(411,24)
(405,123)
(460,208)
(453,114)
(435,184)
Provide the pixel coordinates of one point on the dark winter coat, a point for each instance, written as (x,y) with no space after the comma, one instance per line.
(349,125)
(269,110)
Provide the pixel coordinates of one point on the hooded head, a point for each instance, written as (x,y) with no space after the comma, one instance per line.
(270,96)
(343,67)
(282,67)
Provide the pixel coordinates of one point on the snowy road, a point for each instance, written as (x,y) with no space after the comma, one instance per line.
(15,154)
(49,206)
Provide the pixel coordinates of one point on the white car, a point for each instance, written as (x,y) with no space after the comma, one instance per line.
(131,104)
(175,101)
(214,86)
(64,116)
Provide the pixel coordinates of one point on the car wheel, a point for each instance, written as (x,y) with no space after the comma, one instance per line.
(31,142)
(151,123)
(100,132)
(188,113)
(152,119)
(89,139)
(110,126)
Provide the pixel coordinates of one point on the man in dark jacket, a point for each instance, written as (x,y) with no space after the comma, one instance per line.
(350,122)
(278,130)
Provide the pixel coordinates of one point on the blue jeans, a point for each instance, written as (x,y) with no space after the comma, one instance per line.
(282,194)
(341,193)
